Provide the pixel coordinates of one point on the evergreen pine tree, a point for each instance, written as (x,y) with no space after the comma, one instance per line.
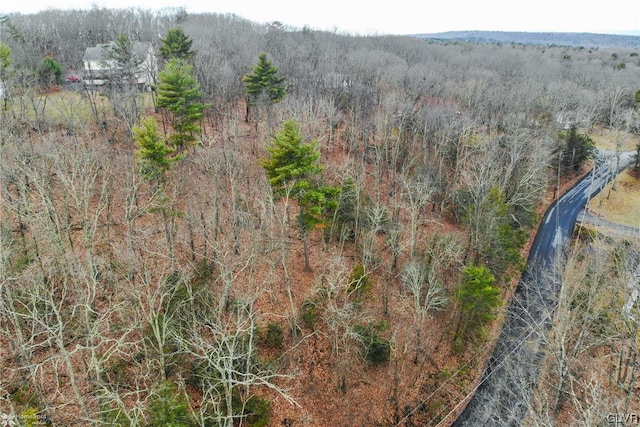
(176,45)
(121,51)
(179,92)
(479,297)
(577,149)
(50,72)
(154,156)
(168,408)
(263,86)
(292,169)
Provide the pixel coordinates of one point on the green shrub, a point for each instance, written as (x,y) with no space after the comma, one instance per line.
(272,336)
(24,395)
(376,349)
(309,314)
(253,411)
(115,373)
(350,213)
(360,282)
(257,412)
(201,371)
(114,416)
(168,407)
(204,272)
(189,298)
(585,234)
(22,262)
(29,417)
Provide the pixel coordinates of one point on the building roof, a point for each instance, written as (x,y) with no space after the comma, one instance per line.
(98,52)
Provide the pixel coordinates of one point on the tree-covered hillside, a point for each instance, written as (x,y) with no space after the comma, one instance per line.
(579,40)
(288,227)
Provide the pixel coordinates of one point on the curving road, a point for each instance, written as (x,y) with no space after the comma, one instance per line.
(502,397)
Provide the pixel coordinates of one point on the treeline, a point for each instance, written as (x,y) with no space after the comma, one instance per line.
(577,40)
(357,220)
(588,81)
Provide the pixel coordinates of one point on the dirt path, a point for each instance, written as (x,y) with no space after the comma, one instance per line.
(586,217)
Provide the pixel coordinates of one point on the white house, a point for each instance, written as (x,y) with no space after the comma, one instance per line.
(99,66)
(568,118)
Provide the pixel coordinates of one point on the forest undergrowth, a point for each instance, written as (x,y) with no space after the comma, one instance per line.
(185,284)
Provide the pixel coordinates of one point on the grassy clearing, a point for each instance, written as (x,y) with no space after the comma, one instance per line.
(619,202)
(607,139)
(71,108)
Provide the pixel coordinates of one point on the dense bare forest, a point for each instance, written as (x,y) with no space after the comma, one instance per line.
(158,268)
(579,40)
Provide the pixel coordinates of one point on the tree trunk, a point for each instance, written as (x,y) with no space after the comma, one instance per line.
(307,265)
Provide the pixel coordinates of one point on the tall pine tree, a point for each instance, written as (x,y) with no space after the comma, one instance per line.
(263,86)
(179,92)
(479,299)
(293,171)
(177,45)
(155,157)
(578,148)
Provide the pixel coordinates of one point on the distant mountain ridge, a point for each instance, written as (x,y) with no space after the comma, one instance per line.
(586,40)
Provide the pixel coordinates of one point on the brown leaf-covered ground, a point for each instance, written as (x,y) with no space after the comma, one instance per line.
(225,216)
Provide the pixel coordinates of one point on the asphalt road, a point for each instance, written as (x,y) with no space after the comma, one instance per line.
(502,397)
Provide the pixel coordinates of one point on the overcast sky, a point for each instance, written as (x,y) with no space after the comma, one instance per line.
(368,17)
